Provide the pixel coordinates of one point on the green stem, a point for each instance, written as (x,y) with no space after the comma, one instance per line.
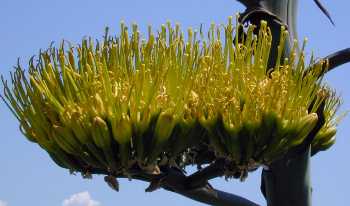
(277,13)
(287,182)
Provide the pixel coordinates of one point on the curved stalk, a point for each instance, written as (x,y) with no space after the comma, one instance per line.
(336,59)
(175,181)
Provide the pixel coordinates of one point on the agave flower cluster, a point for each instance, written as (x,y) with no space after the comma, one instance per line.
(168,98)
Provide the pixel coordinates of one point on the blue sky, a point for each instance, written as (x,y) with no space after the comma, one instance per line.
(29,177)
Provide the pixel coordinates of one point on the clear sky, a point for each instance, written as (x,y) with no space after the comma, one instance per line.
(29,177)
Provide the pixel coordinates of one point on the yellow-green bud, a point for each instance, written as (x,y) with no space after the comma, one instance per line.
(122,129)
(164,126)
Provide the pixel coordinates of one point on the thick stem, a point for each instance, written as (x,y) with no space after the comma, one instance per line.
(287,182)
(276,13)
(285,10)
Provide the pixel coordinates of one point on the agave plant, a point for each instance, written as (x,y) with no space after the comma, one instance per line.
(146,106)
(127,102)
